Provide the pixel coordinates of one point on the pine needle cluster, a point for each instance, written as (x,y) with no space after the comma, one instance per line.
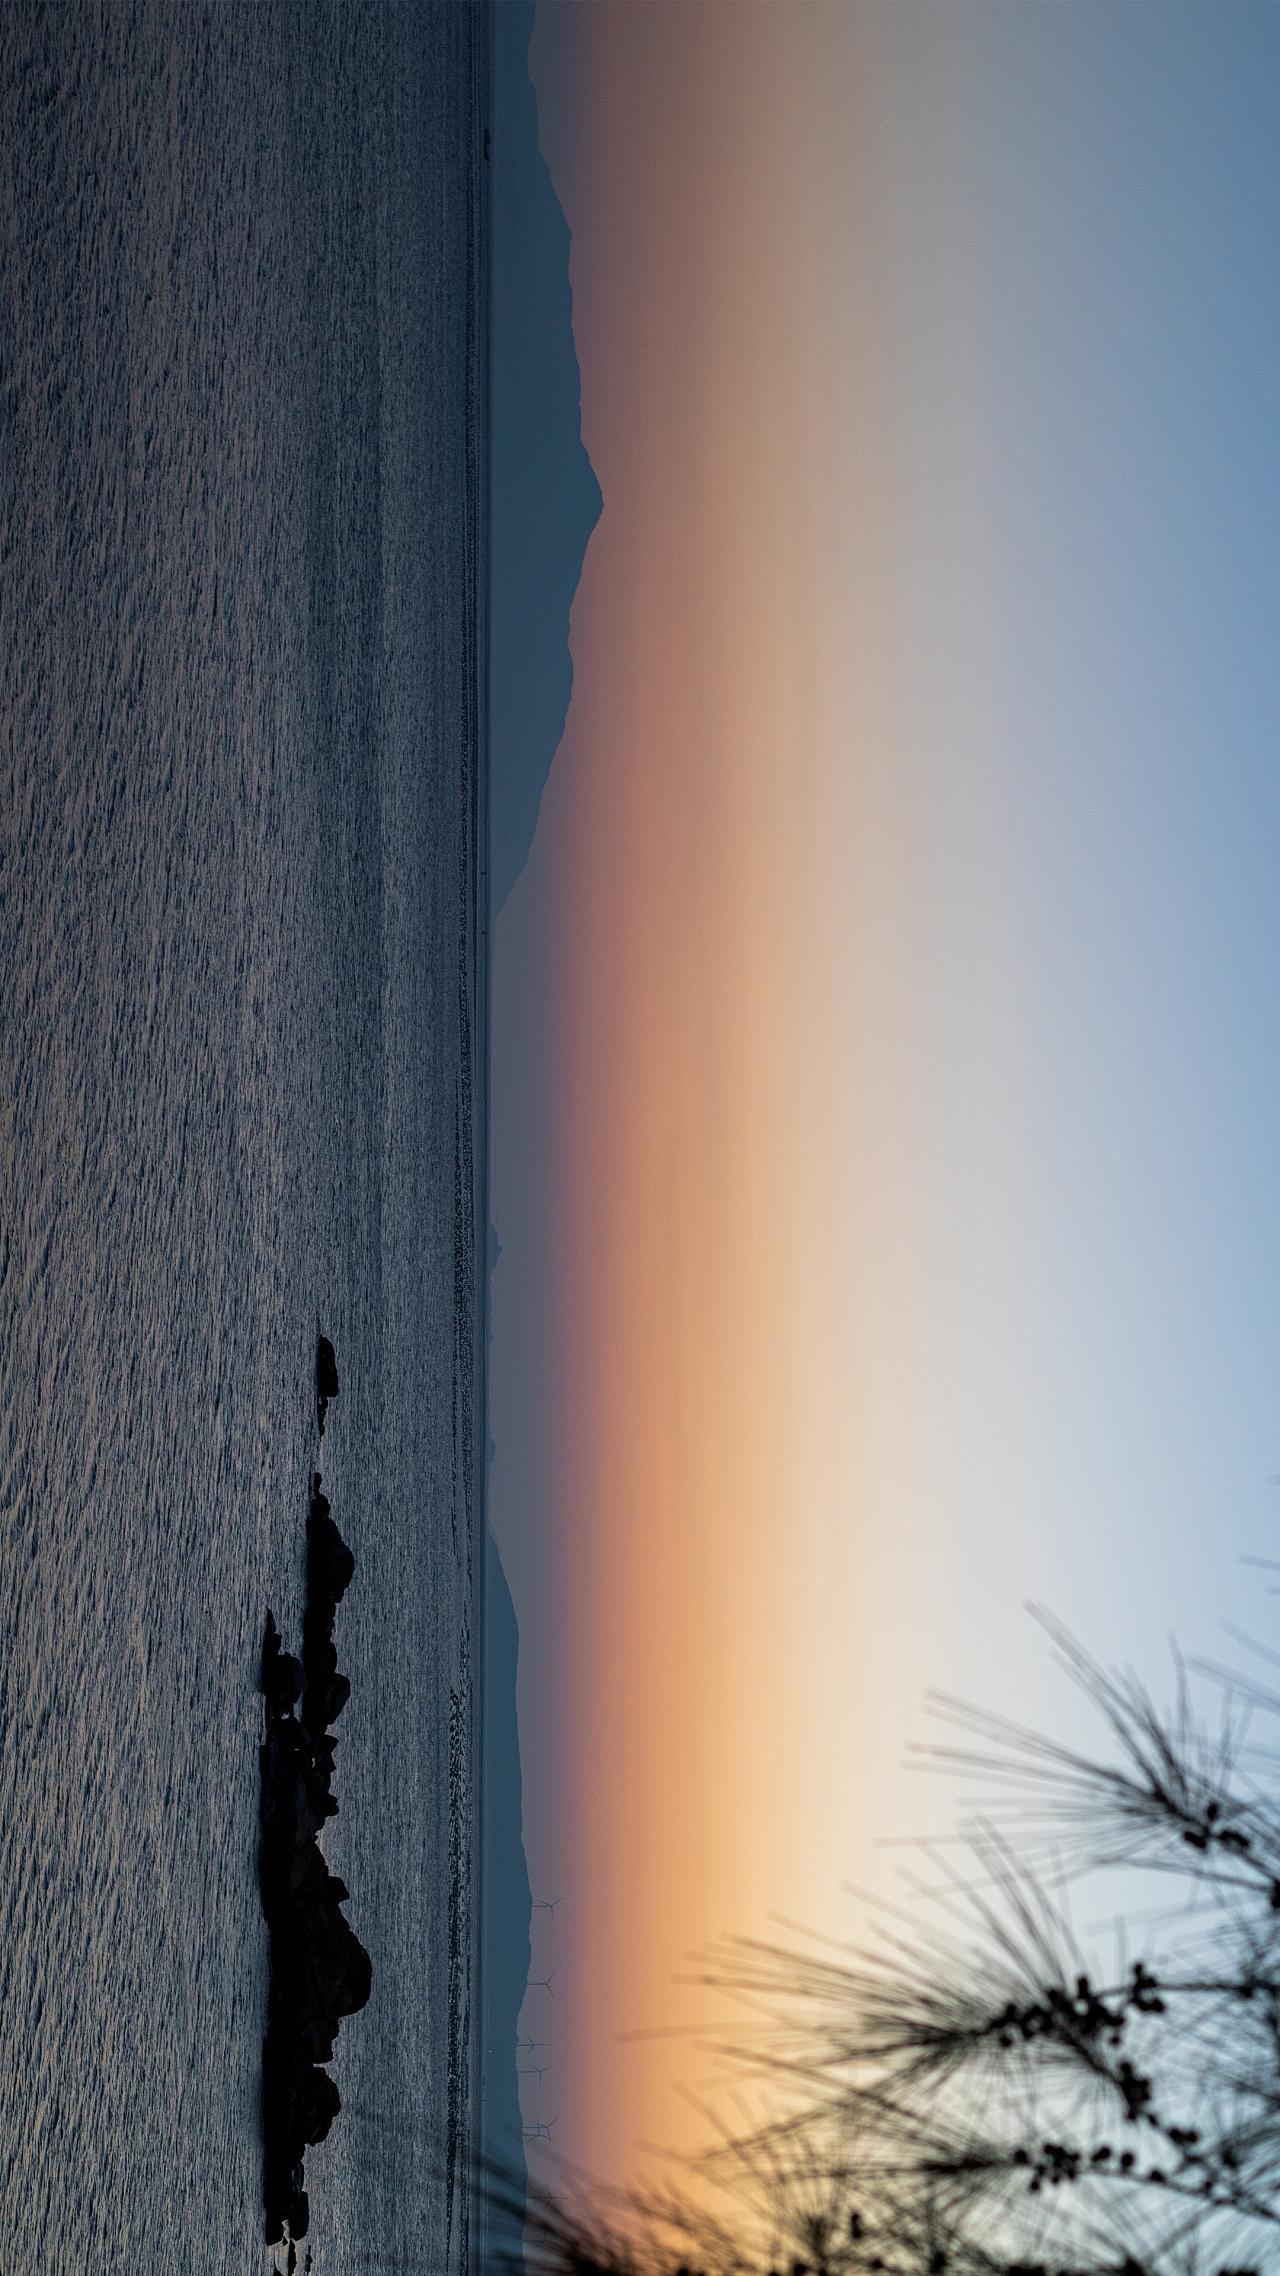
(979,2093)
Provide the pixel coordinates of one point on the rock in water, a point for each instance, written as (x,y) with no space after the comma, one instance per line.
(326,1370)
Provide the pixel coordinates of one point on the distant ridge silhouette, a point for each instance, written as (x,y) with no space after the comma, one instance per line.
(544,497)
(544,503)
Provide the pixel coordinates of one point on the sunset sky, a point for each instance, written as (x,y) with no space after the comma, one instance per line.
(886,1060)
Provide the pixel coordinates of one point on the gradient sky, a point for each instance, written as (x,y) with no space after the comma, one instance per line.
(886,1141)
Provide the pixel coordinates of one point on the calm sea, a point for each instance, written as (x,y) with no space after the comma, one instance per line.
(241,529)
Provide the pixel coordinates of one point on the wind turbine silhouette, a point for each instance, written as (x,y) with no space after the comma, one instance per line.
(530,2045)
(547,1904)
(535,2070)
(542,1983)
(542,2131)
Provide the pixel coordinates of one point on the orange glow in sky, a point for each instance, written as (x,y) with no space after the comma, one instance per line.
(717,842)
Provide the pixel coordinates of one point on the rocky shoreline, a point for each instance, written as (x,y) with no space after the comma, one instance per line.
(318,1969)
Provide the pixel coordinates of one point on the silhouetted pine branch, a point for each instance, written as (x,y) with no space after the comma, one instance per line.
(976,2095)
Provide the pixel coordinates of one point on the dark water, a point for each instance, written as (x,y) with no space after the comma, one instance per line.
(241,507)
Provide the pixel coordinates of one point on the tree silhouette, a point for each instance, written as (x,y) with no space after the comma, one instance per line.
(983,2094)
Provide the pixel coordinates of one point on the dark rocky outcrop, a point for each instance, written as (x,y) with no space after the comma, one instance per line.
(319,1969)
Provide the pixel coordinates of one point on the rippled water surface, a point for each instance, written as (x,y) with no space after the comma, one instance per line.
(239,394)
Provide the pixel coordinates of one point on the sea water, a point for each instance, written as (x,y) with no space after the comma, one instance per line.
(241,575)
